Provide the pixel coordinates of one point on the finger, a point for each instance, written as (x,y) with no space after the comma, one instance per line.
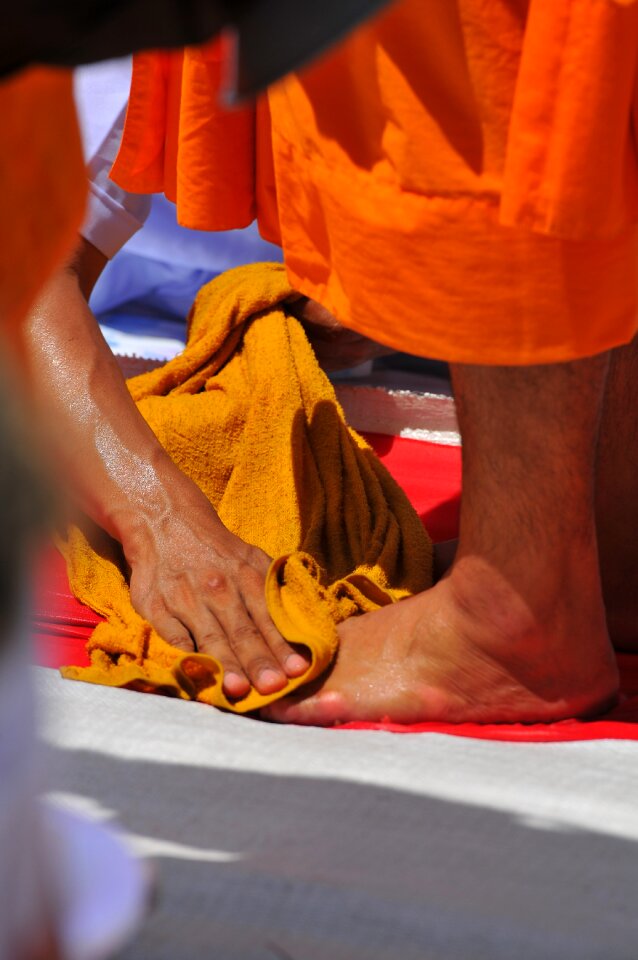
(291,660)
(173,631)
(226,603)
(213,641)
(248,645)
(210,638)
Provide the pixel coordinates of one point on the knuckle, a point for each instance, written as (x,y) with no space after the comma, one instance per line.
(244,635)
(258,664)
(213,643)
(217,582)
(179,641)
(252,576)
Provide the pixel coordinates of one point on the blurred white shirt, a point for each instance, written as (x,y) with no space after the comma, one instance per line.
(25,895)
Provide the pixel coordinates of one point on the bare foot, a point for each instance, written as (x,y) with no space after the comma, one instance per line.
(516,631)
(469,649)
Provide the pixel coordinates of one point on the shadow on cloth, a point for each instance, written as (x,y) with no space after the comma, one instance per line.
(328,869)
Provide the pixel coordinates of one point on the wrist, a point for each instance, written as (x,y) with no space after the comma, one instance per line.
(144,504)
(171,512)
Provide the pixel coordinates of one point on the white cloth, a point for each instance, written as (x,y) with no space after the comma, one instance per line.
(23,911)
(353,845)
(56,871)
(101,95)
(113,216)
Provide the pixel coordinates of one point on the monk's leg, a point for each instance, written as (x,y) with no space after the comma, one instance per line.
(516,630)
(617,497)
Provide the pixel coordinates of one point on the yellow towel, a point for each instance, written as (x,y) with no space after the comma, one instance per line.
(248,414)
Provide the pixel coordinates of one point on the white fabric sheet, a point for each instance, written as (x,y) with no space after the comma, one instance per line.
(283,842)
(24,892)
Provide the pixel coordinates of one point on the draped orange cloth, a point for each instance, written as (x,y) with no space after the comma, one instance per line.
(458,179)
(215,164)
(42,185)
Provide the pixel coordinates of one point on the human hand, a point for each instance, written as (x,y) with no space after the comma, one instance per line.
(336,347)
(202,588)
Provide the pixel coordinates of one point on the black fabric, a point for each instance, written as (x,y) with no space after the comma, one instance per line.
(273,36)
(277,36)
(69,33)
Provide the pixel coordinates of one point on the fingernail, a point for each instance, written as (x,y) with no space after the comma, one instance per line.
(271,680)
(296,665)
(235,684)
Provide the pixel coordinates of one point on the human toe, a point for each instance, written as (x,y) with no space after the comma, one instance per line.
(324,709)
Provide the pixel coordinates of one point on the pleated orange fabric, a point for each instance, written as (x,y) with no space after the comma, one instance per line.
(42,186)
(180,140)
(457,179)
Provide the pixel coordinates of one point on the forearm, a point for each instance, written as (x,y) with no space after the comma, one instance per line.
(200,586)
(118,472)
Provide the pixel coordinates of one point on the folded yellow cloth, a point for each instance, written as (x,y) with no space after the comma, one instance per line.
(248,414)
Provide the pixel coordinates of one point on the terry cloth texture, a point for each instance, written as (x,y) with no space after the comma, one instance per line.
(247,413)
(458,179)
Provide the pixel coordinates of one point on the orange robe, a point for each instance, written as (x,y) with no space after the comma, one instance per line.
(458,179)
(42,185)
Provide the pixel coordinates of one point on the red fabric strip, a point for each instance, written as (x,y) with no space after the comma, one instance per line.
(430,474)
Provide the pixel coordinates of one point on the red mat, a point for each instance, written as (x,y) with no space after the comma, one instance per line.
(431,476)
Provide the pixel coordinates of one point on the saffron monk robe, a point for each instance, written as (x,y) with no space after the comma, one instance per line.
(471,173)
(436,189)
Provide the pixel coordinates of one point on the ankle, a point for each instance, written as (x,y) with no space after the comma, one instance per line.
(522,592)
(481,591)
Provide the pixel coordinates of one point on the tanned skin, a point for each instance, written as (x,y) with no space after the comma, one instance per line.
(199,585)
(194,581)
(515,631)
